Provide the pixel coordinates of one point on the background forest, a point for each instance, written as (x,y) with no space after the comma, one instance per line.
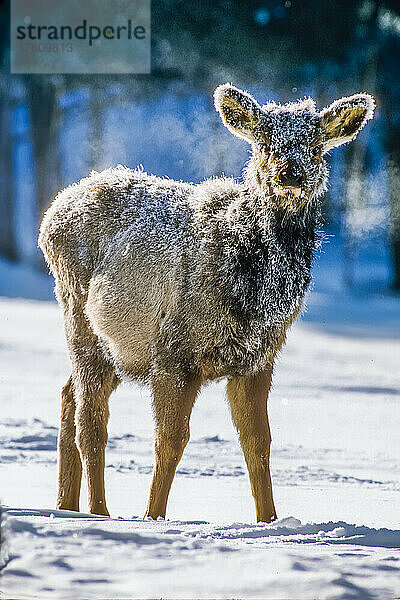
(55,128)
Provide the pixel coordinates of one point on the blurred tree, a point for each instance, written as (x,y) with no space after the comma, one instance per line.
(7,239)
(96,108)
(41,96)
(363,52)
(205,41)
(389,88)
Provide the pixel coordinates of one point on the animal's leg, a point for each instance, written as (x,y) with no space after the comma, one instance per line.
(173,403)
(248,399)
(93,379)
(69,461)
(92,391)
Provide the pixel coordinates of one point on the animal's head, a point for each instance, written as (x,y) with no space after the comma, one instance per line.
(289,141)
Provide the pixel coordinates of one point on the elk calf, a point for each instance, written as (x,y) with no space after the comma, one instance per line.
(176,284)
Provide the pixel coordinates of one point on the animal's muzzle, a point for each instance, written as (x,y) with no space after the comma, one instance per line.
(291,176)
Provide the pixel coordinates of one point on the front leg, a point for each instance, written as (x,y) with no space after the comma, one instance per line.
(173,403)
(248,400)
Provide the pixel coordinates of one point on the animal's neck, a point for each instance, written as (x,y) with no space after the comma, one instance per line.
(293,229)
(265,217)
(267,264)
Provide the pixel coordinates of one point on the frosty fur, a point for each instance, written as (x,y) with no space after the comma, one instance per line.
(175,284)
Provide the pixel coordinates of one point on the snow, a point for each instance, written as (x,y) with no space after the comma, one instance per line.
(132,558)
(334,412)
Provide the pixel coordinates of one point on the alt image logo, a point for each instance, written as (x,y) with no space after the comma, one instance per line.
(54,36)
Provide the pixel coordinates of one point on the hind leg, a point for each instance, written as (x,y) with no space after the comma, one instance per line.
(69,460)
(93,379)
(93,382)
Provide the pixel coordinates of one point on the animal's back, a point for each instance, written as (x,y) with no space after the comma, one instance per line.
(87,218)
(112,241)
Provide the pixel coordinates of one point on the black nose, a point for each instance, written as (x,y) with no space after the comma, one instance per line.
(291,176)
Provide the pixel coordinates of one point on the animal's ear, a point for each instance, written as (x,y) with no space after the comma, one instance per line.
(342,120)
(239,111)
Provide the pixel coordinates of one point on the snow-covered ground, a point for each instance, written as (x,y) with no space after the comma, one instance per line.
(335,416)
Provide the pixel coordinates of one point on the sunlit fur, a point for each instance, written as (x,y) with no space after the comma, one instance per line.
(175,284)
(300,144)
(291,134)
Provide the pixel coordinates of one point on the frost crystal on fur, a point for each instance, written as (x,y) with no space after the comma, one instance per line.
(203,277)
(176,284)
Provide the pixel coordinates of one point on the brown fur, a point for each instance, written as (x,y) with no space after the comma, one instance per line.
(175,284)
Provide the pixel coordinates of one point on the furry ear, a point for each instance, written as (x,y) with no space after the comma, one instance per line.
(239,111)
(342,120)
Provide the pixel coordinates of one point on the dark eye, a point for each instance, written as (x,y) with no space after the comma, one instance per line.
(316,151)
